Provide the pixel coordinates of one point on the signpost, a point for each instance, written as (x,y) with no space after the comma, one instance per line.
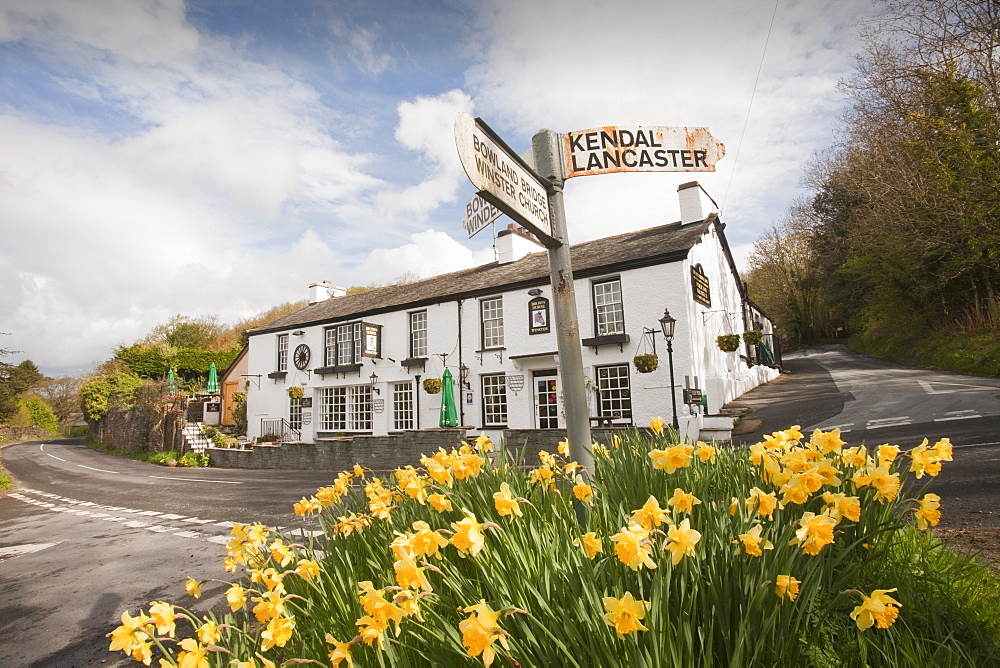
(535,200)
(503,178)
(640,149)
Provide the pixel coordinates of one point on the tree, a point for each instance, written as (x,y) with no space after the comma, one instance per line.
(15,380)
(62,395)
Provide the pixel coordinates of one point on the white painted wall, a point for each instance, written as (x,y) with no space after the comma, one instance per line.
(646,293)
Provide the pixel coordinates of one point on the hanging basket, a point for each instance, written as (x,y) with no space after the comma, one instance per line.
(295,392)
(753,337)
(647,363)
(432,385)
(728,342)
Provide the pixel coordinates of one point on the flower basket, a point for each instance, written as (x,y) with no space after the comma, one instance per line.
(753,337)
(646,363)
(295,392)
(728,342)
(432,385)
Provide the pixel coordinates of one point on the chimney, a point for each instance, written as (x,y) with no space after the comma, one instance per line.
(514,243)
(320,292)
(696,204)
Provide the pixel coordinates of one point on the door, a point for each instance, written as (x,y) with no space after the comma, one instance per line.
(546,399)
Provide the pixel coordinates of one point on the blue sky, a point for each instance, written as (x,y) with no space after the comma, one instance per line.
(216,157)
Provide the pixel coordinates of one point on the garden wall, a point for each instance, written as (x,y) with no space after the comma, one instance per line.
(143,428)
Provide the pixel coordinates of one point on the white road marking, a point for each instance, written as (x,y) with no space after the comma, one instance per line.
(218,482)
(188,534)
(195,520)
(929,389)
(101,470)
(889,422)
(172,517)
(27,548)
(54,457)
(136,525)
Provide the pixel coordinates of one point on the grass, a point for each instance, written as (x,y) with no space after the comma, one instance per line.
(5,479)
(164,458)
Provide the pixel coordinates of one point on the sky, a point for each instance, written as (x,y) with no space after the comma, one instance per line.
(215,157)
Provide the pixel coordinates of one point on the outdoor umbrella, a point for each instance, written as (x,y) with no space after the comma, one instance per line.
(171,382)
(213,380)
(449,416)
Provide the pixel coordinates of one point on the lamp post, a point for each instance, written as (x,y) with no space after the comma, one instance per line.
(667,325)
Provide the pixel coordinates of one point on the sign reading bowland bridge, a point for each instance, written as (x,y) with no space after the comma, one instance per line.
(502,177)
(640,149)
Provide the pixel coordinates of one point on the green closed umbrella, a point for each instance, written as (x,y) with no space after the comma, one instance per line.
(213,380)
(449,416)
(171,382)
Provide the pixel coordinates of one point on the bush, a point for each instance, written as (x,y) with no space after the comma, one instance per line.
(33,411)
(98,393)
(194,459)
(792,551)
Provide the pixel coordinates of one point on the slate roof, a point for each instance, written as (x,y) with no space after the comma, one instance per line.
(656,245)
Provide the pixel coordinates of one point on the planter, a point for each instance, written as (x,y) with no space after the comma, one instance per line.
(646,363)
(728,342)
(753,337)
(432,385)
(295,392)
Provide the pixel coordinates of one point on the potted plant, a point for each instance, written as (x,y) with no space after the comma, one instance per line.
(728,342)
(753,337)
(432,385)
(295,392)
(646,363)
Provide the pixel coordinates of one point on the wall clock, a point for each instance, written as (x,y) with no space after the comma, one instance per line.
(301,356)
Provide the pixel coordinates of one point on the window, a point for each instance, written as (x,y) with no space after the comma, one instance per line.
(295,413)
(418,334)
(495,400)
(283,352)
(613,395)
(491,311)
(343,344)
(609,316)
(546,399)
(346,408)
(402,406)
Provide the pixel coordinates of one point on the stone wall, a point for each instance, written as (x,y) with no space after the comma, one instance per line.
(10,434)
(378,453)
(144,428)
(532,441)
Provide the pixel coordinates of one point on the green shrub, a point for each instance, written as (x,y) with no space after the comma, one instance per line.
(99,393)
(33,411)
(194,459)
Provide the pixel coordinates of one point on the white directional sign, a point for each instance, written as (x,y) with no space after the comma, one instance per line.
(503,178)
(478,214)
(640,149)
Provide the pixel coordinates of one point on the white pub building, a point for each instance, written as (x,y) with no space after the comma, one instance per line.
(356,364)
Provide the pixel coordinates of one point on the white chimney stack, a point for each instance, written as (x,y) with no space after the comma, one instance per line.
(320,292)
(514,243)
(696,204)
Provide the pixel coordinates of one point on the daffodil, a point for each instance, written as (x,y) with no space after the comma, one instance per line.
(764,503)
(632,546)
(236,596)
(650,515)
(483,443)
(753,543)
(682,501)
(193,587)
(341,652)
(563,448)
(439,502)
(656,425)
(681,541)
(408,574)
(814,533)
(625,614)
(208,633)
(162,615)
(705,451)
(307,568)
(281,553)
(194,655)
(505,502)
(827,442)
(786,586)
(278,632)
(591,544)
(583,491)
(927,514)
(673,458)
(839,505)
(879,609)
(468,536)
(480,630)
(133,631)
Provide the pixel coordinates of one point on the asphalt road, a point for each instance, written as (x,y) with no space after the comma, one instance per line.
(85,535)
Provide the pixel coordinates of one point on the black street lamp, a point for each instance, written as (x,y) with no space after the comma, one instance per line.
(667,325)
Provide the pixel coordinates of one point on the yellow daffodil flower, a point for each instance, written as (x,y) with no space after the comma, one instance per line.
(162,615)
(632,546)
(650,515)
(673,458)
(583,491)
(625,614)
(505,503)
(439,502)
(705,451)
(753,543)
(133,631)
(278,632)
(879,609)
(208,633)
(481,630)
(682,501)
(307,568)
(827,442)
(814,533)
(681,541)
(193,587)
(591,544)
(468,536)
(927,514)
(341,652)
(786,586)
(656,426)
(236,596)
(194,655)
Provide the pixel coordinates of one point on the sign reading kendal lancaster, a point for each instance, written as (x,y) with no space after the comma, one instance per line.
(502,177)
(640,149)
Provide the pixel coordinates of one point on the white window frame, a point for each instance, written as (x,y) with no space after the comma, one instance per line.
(547,414)
(295,413)
(403,413)
(342,344)
(614,391)
(346,408)
(494,393)
(609,309)
(418,334)
(491,319)
(282,352)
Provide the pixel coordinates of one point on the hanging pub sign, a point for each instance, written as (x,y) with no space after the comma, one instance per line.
(372,342)
(538,316)
(699,286)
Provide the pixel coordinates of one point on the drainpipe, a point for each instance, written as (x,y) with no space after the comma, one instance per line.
(461,388)
(416,399)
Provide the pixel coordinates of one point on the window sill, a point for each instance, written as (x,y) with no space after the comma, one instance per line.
(277,375)
(339,368)
(606,340)
(413,361)
(491,350)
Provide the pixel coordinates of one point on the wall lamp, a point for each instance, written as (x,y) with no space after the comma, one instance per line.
(298,332)
(463,374)
(374,379)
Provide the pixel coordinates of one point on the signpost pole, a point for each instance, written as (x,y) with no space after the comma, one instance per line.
(549,164)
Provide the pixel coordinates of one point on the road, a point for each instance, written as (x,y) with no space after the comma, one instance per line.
(86,535)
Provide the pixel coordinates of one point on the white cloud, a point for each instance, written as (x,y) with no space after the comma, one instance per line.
(361,46)
(429,253)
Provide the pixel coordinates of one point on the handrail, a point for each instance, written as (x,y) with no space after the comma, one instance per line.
(281,428)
